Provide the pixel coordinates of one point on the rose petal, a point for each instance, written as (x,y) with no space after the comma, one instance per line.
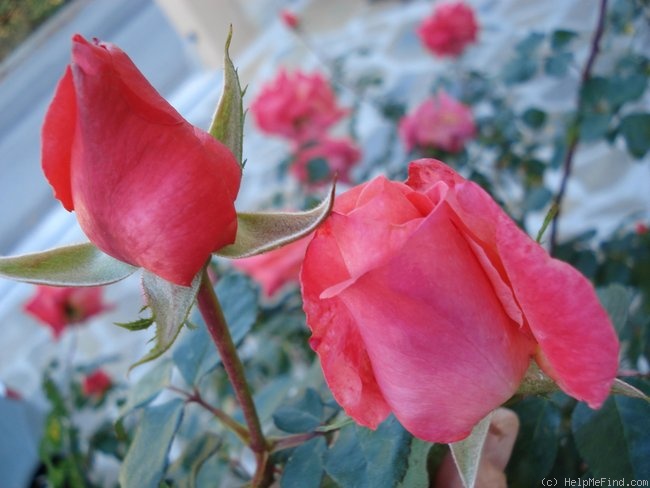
(442,361)
(578,343)
(57,138)
(335,339)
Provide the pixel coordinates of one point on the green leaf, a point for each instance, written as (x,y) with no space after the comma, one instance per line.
(519,70)
(345,462)
(261,232)
(74,265)
(146,460)
(303,415)
(147,388)
(467,453)
(530,44)
(228,122)
(614,440)
(616,300)
(318,170)
(170,305)
(558,64)
(537,198)
(386,451)
(561,38)
(534,118)
(537,443)
(417,472)
(186,468)
(305,466)
(635,129)
(197,355)
(362,457)
(594,125)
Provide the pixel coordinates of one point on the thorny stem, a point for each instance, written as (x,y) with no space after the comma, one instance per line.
(574,136)
(224,418)
(210,309)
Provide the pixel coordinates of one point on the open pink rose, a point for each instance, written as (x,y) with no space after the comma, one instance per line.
(96,384)
(276,268)
(316,164)
(59,307)
(148,188)
(440,122)
(449,29)
(298,106)
(426,300)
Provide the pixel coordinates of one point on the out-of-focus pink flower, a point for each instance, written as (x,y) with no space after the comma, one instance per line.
(642,228)
(449,29)
(440,122)
(58,307)
(96,384)
(426,300)
(274,269)
(316,164)
(298,106)
(289,19)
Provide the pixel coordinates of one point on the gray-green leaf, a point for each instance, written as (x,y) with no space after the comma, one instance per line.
(228,122)
(467,453)
(73,265)
(261,232)
(146,461)
(170,305)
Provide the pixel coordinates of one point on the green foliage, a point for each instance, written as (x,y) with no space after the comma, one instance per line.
(613,440)
(145,463)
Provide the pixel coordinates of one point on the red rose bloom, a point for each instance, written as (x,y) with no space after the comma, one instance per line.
(449,29)
(298,106)
(426,300)
(148,188)
(59,307)
(96,384)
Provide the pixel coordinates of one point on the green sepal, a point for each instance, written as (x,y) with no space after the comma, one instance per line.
(467,453)
(170,305)
(73,265)
(140,324)
(262,232)
(228,121)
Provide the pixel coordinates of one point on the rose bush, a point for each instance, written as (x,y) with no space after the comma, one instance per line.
(59,307)
(440,122)
(316,164)
(299,106)
(449,29)
(426,300)
(148,188)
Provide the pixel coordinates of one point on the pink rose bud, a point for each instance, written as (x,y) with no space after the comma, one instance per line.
(298,106)
(148,188)
(642,228)
(289,19)
(440,122)
(274,269)
(426,300)
(449,29)
(96,384)
(59,307)
(316,164)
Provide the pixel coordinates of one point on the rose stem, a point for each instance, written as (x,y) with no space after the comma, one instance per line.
(195,397)
(215,321)
(574,131)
